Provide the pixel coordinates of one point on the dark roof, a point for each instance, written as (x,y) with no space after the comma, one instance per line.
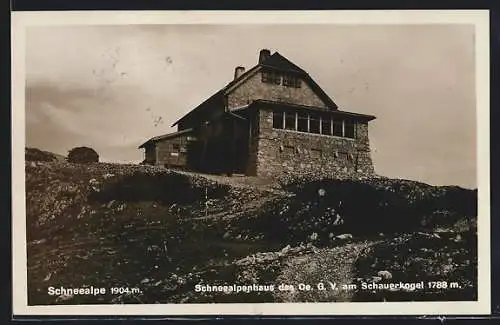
(278,61)
(214,97)
(166,136)
(275,61)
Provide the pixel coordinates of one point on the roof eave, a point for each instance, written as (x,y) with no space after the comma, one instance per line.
(315,108)
(144,144)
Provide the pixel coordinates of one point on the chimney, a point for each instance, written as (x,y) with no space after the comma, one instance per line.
(238,72)
(264,54)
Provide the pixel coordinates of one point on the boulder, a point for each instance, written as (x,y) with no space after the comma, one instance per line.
(344,236)
(385,274)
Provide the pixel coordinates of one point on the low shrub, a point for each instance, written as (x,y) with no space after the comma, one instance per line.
(83,155)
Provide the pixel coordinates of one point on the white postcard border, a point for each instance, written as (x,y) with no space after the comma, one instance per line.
(478,18)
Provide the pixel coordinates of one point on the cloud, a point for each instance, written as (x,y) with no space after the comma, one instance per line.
(113,87)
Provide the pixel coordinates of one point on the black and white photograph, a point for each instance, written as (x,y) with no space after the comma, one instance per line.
(251,163)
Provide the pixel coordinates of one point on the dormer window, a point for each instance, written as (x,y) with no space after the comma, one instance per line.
(290,80)
(285,79)
(271,77)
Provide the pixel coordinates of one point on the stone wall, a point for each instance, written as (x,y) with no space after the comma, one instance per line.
(281,151)
(254,88)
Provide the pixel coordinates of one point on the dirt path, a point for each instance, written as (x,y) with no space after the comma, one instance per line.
(330,266)
(241,181)
(248,193)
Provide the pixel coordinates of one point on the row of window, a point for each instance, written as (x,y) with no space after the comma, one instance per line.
(314,123)
(277,78)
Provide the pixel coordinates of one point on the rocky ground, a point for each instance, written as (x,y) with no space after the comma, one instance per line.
(158,233)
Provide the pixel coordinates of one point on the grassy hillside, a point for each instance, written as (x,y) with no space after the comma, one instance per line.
(164,232)
(34,154)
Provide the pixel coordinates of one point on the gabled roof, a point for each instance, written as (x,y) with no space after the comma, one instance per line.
(165,136)
(278,61)
(275,61)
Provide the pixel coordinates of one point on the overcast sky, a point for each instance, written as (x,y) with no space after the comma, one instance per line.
(113,87)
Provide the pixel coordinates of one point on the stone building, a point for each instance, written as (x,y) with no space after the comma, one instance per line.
(270,119)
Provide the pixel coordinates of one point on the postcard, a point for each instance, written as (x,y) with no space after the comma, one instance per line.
(251,163)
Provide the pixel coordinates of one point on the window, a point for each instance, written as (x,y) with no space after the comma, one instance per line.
(287,80)
(276,78)
(314,123)
(343,156)
(315,153)
(337,128)
(278,119)
(266,76)
(349,129)
(302,122)
(271,77)
(326,125)
(290,80)
(290,120)
(176,147)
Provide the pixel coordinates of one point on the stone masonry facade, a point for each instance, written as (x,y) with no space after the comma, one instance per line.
(275,151)
(253,88)
(276,120)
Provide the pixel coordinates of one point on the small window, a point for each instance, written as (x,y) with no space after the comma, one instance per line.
(290,121)
(271,77)
(266,77)
(288,80)
(337,128)
(302,122)
(176,147)
(316,153)
(349,129)
(278,119)
(314,123)
(326,125)
(276,78)
(343,156)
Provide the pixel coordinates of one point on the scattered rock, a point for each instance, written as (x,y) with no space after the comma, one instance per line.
(385,274)
(47,278)
(64,298)
(344,236)
(40,241)
(110,204)
(285,249)
(121,207)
